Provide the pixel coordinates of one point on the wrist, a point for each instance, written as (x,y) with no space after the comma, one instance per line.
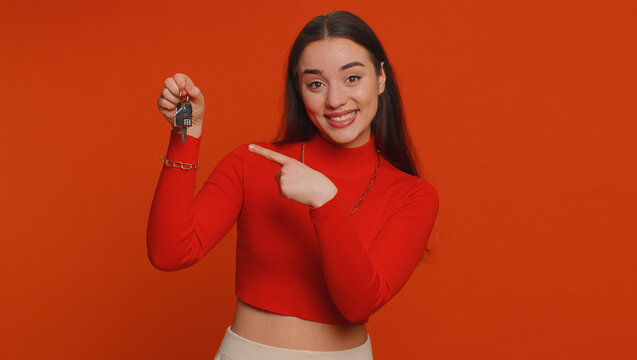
(329,195)
(194,131)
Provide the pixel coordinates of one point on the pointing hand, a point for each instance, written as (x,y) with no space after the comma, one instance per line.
(297,181)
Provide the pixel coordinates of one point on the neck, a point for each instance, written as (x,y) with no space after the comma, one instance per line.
(330,159)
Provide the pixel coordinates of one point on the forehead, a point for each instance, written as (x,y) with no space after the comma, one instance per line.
(332,52)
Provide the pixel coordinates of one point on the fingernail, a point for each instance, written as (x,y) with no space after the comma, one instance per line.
(251,147)
(189,87)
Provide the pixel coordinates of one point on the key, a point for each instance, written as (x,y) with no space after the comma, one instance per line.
(183,117)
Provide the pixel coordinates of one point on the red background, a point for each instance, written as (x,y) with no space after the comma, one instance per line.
(523,113)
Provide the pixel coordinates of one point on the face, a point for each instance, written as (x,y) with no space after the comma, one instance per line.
(340,88)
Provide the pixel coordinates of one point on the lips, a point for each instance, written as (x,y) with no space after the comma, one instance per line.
(337,114)
(341,119)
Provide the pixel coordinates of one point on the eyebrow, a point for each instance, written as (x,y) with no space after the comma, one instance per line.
(346,66)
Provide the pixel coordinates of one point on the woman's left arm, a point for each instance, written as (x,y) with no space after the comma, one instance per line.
(362,281)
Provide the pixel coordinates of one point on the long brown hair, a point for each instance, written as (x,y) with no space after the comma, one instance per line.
(388,126)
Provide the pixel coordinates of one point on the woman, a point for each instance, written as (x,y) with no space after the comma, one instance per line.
(337,232)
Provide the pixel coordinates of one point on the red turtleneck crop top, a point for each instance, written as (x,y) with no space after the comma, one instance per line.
(317,264)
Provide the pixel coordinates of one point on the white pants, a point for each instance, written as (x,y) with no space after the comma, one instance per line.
(235,347)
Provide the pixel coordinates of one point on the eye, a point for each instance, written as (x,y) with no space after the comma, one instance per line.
(352,78)
(314,85)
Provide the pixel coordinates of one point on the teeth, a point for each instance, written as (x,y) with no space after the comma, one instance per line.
(344,117)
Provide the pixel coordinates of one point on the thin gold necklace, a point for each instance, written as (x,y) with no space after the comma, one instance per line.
(369,185)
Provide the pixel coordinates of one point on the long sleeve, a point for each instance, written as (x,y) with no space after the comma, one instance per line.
(361,280)
(183,228)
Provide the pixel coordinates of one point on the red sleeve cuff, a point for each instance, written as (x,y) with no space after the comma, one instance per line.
(334,207)
(178,150)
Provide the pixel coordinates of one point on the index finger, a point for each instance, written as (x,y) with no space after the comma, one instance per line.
(269,154)
(182,80)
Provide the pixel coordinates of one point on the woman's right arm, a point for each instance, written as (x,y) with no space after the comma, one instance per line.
(183,228)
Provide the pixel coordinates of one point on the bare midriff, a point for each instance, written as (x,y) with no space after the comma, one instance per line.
(294,333)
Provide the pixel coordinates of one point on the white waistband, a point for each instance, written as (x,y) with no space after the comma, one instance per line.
(236,347)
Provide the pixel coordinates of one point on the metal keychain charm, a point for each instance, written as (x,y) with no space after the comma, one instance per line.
(183,117)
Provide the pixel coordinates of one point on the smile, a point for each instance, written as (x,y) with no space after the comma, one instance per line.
(342,120)
(343,117)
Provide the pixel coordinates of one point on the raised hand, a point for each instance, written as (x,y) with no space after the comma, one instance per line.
(297,181)
(175,90)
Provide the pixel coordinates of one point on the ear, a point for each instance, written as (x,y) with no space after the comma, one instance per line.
(381,78)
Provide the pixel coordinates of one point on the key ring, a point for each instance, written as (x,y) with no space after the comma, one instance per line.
(181,102)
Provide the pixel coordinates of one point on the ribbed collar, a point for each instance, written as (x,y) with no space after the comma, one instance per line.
(336,161)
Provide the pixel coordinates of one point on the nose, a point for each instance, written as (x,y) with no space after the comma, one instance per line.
(336,97)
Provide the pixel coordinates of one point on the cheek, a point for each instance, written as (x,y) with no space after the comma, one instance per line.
(366,96)
(312,102)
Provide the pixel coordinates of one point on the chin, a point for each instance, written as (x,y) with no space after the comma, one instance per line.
(342,139)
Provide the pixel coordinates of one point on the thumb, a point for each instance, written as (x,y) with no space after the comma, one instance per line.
(196,97)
